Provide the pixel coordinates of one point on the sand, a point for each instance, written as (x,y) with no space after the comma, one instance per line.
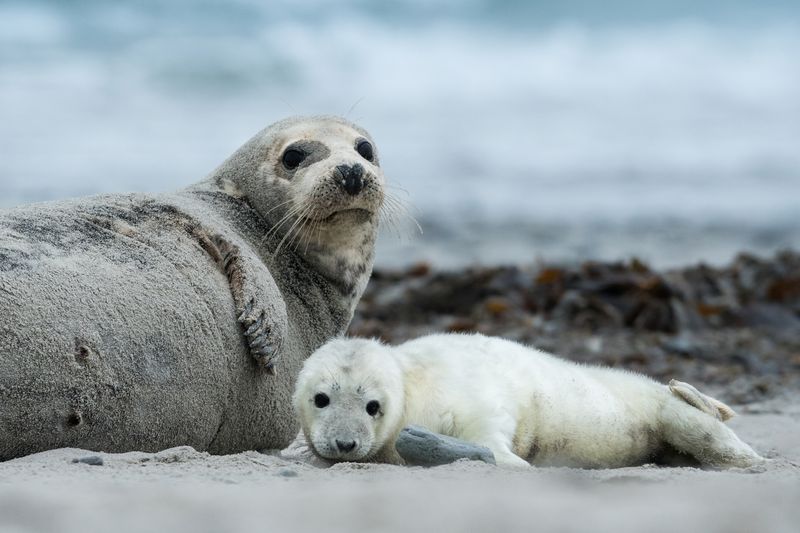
(181,489)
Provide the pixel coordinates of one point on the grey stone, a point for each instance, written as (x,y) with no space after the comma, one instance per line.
(93,460)
(420,447)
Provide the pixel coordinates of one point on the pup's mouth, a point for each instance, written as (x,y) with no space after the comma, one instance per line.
(352,457)
(330,453)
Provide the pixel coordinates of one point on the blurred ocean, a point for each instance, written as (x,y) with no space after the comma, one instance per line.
(519,129)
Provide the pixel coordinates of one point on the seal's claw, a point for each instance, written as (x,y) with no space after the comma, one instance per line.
(262,346)
(256,325)
(266,361)
(246,313)
(257,341)
(258,332)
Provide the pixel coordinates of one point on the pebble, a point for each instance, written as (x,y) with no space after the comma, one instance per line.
(93,460)
(420,447)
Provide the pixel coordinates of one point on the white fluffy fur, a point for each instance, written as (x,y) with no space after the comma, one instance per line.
(525,405)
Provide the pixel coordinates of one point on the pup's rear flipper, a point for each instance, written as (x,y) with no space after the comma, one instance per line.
(688,427)
(697,399)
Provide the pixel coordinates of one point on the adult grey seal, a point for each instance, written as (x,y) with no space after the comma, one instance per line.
(141,322)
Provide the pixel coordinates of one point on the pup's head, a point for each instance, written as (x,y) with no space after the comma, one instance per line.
(350,399)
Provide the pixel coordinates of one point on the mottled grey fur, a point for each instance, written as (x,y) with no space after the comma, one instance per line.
(141,322)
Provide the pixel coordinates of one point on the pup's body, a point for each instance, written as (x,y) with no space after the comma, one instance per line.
(527,406)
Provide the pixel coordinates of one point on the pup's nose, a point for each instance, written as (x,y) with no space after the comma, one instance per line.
(345,446)
(351,178)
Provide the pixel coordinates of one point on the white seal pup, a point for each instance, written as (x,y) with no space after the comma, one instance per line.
(354,396)
(143,322)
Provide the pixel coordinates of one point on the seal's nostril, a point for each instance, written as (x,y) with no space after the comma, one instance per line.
(351,178)
(345,446)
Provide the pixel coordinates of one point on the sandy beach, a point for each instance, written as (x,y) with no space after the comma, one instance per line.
(746,358)
(184,490)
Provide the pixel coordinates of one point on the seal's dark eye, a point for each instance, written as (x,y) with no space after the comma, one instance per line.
(364,148)
(321,400)
(292,158)
(373,407)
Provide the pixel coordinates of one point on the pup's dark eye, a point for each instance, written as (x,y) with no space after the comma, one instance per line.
(364,148)
(373,407)
(292,158)
(321,400)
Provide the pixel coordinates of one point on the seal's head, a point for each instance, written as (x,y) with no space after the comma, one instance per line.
(350,399)
(318,184)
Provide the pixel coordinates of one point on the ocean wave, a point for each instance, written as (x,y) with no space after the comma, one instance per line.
(473,114)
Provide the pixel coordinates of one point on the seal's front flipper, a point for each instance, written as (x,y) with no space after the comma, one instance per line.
(255,324)
(260,310)
(697,399)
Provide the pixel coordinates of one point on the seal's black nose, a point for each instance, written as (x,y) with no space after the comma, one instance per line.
(351,178)
(345,446)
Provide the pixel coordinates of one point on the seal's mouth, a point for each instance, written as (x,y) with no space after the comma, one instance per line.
(355,215)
